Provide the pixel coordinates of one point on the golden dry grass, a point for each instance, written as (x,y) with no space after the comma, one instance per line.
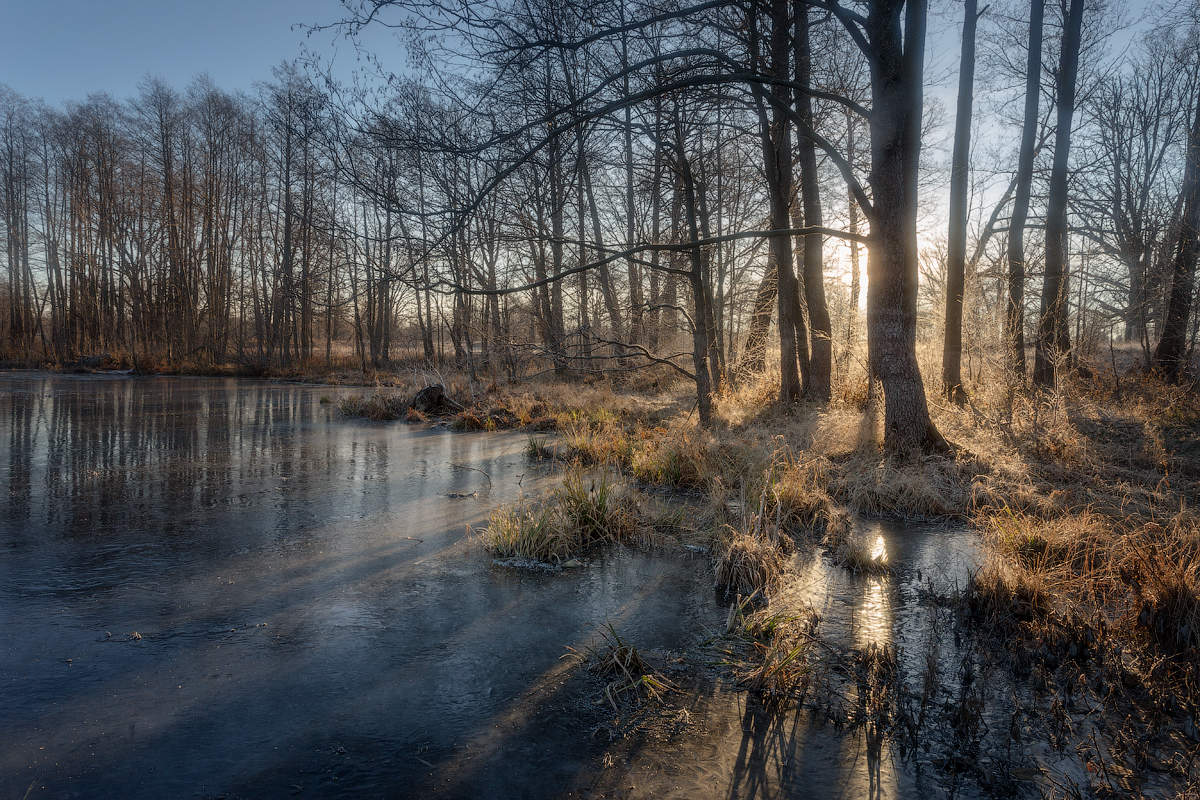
(581,515)
(749,563)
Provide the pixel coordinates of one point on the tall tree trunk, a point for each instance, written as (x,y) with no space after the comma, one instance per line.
(957,239)
(700,325)
(896,94)
(1169,356)
(777,162)
(1014,317)
(1053,344)
(634,272)
(557,201)
(855,275)
(820,359)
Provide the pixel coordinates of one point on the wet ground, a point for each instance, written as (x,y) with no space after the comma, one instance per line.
(221,588)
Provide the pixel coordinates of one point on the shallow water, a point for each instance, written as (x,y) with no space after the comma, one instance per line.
(222,588)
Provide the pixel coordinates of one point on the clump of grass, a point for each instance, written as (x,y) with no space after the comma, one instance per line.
(576,518)
(883,485)
(596,511)
(484,418)
(798,486)
(678,457)
(538,449)
(1078,541)
(779,670)
(1004,596)
(749,564)
(378,407)
(1164,576)
(595,438)
(629,675)
(529,532)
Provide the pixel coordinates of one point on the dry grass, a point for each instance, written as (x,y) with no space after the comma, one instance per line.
(779,669)
(1163,574)
(629,675)
(580,516)
(797,485)
(528,532)
(749,564)
(378,407)
(594,418)
(679,456)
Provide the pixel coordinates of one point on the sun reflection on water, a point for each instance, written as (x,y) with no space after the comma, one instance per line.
(873,617)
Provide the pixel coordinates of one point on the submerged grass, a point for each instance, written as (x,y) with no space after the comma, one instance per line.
(779,669)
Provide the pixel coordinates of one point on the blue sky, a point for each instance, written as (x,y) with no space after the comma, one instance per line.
(61,50)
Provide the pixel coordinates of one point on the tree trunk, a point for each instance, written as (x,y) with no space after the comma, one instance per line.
(1053,344)
(1014,317)
(1169,357)
(700,329)
(820,359)
(896,94)
(777,162)
(957,239)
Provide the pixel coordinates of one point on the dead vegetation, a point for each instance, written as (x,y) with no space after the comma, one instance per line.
(630,679)
(779,669)
(749,564)
(1083,496)
(588,416)
(377,407)
(580,516)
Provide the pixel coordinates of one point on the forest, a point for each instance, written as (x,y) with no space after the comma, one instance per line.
(805,259)
(603,189)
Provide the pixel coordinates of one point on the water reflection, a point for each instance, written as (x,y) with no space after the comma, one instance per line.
(311,616)
(873,617)
(309,613)
(793,753)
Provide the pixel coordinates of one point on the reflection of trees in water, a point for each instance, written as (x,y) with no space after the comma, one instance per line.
(100,455)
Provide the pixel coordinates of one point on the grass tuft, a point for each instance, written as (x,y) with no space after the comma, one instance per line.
(578,517)
(529,532)
(779,671)
(749,564)
(629,675)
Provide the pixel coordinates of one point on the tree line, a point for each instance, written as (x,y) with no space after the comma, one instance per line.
(593,188)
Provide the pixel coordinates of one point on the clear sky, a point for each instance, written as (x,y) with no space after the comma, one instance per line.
(61,50)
